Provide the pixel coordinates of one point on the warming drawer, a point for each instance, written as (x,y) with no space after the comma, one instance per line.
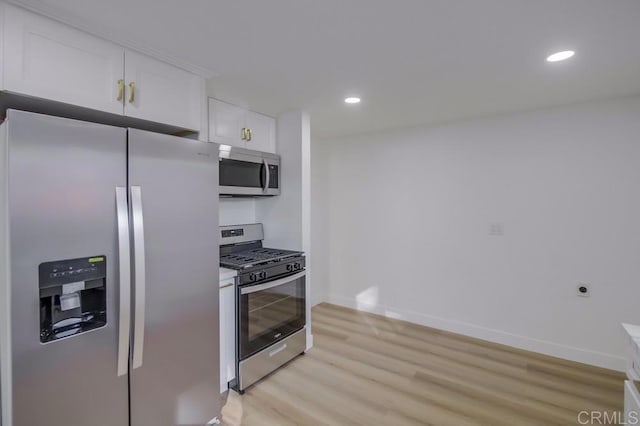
(259,365)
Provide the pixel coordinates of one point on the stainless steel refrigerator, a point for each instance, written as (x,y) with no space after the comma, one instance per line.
(109,269)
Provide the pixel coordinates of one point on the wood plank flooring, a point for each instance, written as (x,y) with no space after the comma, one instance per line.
(370,370)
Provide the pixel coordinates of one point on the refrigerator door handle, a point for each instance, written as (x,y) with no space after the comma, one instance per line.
(124,260)
(139,275)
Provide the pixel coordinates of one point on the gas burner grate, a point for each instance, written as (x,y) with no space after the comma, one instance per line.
(248,258)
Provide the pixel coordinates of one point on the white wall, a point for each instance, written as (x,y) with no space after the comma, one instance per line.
(237,211)
(282,215)
(410,212)
(320,221)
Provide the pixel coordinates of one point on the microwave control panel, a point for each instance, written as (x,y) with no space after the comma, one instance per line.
(273,176)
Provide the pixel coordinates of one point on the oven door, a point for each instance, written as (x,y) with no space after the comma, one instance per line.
(269,312)
(247,172)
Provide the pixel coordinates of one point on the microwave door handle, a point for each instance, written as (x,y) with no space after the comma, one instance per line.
(268,176)
(272,284)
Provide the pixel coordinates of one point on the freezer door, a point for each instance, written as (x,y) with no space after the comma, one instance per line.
(63,176)
(174,210)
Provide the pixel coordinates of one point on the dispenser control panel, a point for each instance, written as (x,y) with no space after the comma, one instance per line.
(73,296)
(72,270)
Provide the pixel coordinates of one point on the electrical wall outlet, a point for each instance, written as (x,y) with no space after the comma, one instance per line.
(583,289)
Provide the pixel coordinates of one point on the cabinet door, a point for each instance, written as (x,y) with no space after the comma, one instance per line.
(227,334)
(2,36)
(226,122)
(159,92)
(631,403)
(46,59)
(263,132)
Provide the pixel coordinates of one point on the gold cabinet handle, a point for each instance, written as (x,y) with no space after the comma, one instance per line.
(243,134)
(132,92)
(249,135)
(120,90)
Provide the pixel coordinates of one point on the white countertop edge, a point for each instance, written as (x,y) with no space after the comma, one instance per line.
(632,330)
(633,375)
(227,274)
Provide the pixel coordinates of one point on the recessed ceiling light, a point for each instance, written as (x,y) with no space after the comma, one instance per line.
(560,56)
(352,100)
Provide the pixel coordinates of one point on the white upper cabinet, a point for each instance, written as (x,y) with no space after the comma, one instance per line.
(262,132)
(226,123)
(2,36)
(160,92)
(50,60)
(235,126)
(46,59)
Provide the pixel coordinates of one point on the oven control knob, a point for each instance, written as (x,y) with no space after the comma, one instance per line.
(252,277)
(289,267)
(296,266)
(263,275)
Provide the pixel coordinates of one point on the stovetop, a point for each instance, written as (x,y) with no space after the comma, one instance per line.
(262,256)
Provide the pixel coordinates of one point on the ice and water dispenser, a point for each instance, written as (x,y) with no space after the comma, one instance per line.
(73,297)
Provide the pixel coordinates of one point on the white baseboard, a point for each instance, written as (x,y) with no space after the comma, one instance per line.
(599,359)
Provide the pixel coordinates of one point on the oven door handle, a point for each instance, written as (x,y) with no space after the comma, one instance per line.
(272,284)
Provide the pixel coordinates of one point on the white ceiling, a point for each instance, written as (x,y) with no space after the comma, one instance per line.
(411,61)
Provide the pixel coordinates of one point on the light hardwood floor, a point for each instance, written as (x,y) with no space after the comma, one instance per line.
(370,370)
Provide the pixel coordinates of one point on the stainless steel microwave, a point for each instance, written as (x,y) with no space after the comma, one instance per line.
(244,172)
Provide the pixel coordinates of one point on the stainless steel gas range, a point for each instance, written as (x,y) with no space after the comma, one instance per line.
(270,302)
